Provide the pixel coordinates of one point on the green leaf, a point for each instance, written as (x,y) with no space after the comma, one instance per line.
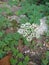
(20,63)
(20,55)
(13,61)
(26,59)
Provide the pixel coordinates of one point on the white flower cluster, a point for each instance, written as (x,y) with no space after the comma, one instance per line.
(32,30)
(27,30)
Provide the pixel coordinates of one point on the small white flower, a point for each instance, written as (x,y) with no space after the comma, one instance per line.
(27,25)
(24,34)
(22,16)
(28,31)
(22,26)
(29,38)
(34,25)
(21,31)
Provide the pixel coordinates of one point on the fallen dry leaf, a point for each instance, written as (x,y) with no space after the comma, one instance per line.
(5,60)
